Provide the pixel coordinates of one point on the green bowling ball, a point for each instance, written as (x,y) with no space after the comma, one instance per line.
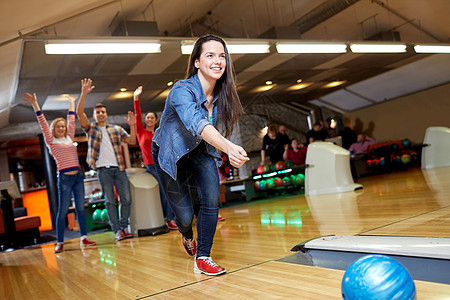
(97,215)
(289,163)
(104,215)
(270,184)
(286,181)
(300,179)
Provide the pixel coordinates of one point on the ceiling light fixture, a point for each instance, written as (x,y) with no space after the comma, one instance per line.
(263,88)
(299,86)
(102,46)
(334,84)
(432,48)
(311,47)
(123,89)
(377,48)
(268,82)
(233,48)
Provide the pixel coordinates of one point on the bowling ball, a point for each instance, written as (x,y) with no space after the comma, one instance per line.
(272,168)
(289,164)
(104,215)
(270,184)
(280,165)
(256,186)
(266,168)
(286,181)
(377,277)
(375,162)
(369,163)
(300,179)
(278,182)
(414,156)
(394,146)
(406,159)
(260,170)
(97,215)
(262,185)
(397,159)
(382,162)
(406,143)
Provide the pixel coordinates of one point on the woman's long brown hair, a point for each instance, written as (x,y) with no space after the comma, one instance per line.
(229,106)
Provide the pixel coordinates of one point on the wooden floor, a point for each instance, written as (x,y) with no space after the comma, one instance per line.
(248,244)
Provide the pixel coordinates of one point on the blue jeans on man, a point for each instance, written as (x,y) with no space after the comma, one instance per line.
(110,177)
(196,191)
(70,185)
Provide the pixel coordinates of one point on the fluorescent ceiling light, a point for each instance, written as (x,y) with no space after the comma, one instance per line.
(378,48)
(188,46)
(248,48)
(311,48)
(99,46)
(432,48)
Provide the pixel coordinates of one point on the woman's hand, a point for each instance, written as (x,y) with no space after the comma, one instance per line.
(71,98)
(32,100)
(137,93)
(237,155)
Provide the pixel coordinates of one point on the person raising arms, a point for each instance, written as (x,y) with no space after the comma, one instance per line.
(59,139)
(144,137)
(105,155)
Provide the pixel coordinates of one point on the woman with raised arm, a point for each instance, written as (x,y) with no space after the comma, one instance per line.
(59,139)
(186,142)
(145,136)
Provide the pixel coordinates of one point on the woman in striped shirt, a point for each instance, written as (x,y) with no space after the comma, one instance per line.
(59,139)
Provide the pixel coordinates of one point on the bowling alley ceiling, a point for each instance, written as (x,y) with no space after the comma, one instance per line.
(296,79)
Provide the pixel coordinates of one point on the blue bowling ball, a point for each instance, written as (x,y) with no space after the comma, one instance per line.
(406,143)
(262,185)
(377,277)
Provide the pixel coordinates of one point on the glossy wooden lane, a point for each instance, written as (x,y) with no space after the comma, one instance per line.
(248,244)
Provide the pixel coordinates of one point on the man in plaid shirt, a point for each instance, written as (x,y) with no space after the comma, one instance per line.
(105,155)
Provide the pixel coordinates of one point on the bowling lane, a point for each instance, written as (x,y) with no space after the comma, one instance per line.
(278,280)
(431,224)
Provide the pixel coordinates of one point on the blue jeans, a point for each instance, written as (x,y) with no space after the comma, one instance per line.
(196,191)
(70,185)
(110,178)
(167,210)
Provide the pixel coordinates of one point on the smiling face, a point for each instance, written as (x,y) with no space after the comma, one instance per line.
(212,61)
(294,144)
(59,129)
(100,115)
(150,121)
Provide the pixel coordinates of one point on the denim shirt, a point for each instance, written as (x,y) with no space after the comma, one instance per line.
(182,121)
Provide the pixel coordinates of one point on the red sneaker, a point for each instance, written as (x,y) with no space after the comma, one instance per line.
(189,245)
(206,266)
(171,225)
(86,242)
(119,235)
(220,218)
(126,234)
(59,247)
